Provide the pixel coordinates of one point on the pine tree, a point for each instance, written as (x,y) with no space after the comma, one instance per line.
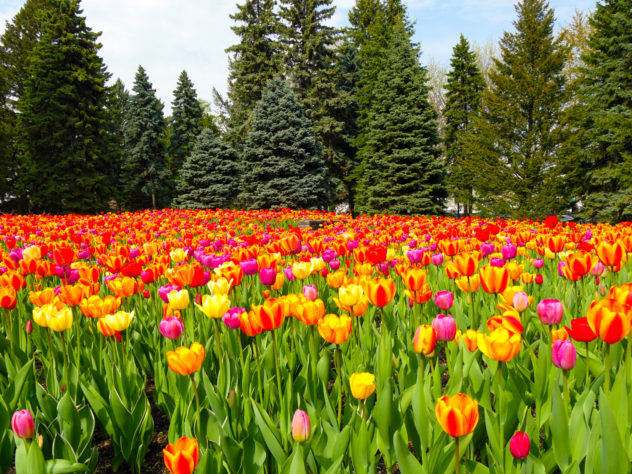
(146,177)
(62,116)
(186,123)
(117,102)
(209,177)
(402,170)
(513,148)
(599,161)
(464,86)
(281,164)
(252,62)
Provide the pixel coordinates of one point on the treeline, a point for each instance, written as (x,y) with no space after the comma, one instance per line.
(315,116)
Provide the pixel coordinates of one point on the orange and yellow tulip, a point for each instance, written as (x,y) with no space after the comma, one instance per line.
(494,279)
(608,320)
(500,345)
(182,457)
(457,415)
(335,329)
(185,360)
(381,291)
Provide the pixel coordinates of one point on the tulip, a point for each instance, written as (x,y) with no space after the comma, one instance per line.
(22,424)
(425,340)
(221,286)
(310,292)
(335,329)
(559,335)
(381,291)
(580,330)
(171,327)
(414,279)
(493,279)
(184,360)
(302,270)
(310,312)
(29,327)
(182,457)
(445,327)
(487,248)
(469,338)
(231,318)
(362,385)
(500,345)
(249,267)
(270,316)
(119,321)
(564,355)
(497,262)
(178,299)
(457,415)
(267,276)
(289,273)
(609,320)
(509,251)
(550,311)
(611,254)
(301,426)
(164,291)
(8,298)
(444,300)
(57,319)
(538,263)
(437,259)
(539,279)
(470,284)
(520,445)
(214,306)
(350,295)
(466,264)
(249,323)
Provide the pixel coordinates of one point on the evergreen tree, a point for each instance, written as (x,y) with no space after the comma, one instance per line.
(62,116)
(281,163)
(186,123)
(253,62)
(514,145)
(402,170)
(599,161)
(209,177)
(117,102)
(146,177)
(464,86)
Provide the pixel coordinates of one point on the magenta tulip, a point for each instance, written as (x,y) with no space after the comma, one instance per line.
(22,424)
(445,327)
(550,311)
(564,354)
(444,300)
(520,445)
(171,327)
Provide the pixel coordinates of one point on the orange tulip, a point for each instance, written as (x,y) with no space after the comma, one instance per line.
(72,295)
(337,279)
(381,291)
(425,340)
(450,247)
(182,457)
(560,334)
(8,299)
(250,324)
(270,315)
(556,243)
(40,298)
(611,254)
(184,360)
(473,285)
(451,270)
(414,279)
(469,338)
(608,320)
(500,345)
(457,415)
(466,264)
(125,286)
(581,262)
(181,275)
(494,279)
(509,322)
(334,329)
(420,297)
(95,307)
(310,312)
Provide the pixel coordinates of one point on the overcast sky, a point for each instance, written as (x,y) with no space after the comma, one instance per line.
(167,36)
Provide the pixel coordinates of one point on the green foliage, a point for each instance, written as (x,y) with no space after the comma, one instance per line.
(253,62)
(209,177)
(186,123)
(400,153)
(117,101)
(464,87)
(281,164)
(512,151)
(145,174)
(62,116)
(600,143)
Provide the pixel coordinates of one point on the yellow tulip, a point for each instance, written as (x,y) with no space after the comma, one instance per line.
(119,321)
(214,306)
(362,385)
(178,299)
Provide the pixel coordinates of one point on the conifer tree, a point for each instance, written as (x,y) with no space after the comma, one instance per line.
(146,176)
(464,86)
(252,62)
(117,102)
(62,116)
(402,170)
(513,149)
(186,123)
(599,161)
(209,177)
(281,163)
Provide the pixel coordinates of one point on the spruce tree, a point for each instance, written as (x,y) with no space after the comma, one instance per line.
(599,159)
(252,62)
(117,102)
(62,116)
(402,170)
(464,86)
(209,177)
(281,163)
(186,123)
(145,173)
(513,148)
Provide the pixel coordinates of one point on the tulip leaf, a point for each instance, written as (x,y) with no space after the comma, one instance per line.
(268,432)
(579,440)
(613,457)
(559,430)
(405,460)
(34,459)
(295,464)
(474,467)
(254,455)
(359,449)
(62,466)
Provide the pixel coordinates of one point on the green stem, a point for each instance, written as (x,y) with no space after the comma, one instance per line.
(197,404)
(278,377)
(63,348)
(565,382)
(587,366)
(339,384)
(457,458)
(259,367)
(607,381)
(9,330)
(498,410)
(313,349)
(220,355)
(473,320)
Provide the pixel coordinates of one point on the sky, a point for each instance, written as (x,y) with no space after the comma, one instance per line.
(167,36)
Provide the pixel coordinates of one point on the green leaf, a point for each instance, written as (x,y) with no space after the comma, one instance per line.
(34,459)
(267,431)
(62,466)
(613,457)
(559,430)
(296,464)
(405,460)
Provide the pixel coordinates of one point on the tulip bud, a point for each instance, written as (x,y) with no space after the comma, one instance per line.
(520,445)
(22,424)
(29,326)
(310,292)
(301,426)
(445,327)
(171,327)
(444,300)
(538,263)
(520,301)
(146,294)
(550,311)
(231,397)
(602,289)
(564,354)
(539,279)
(40,441)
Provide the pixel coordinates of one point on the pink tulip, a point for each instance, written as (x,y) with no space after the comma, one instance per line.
(564,354)
(437,259)
(171,327)
(22,424)
(444,300)
(249,267)
(445,327)
(520,445)
(538,263)
(231,318)
(310,292)
(509,251)
(301,426)
(550,311)
(520,301)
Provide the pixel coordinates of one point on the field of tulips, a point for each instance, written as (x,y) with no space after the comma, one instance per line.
(375,344)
